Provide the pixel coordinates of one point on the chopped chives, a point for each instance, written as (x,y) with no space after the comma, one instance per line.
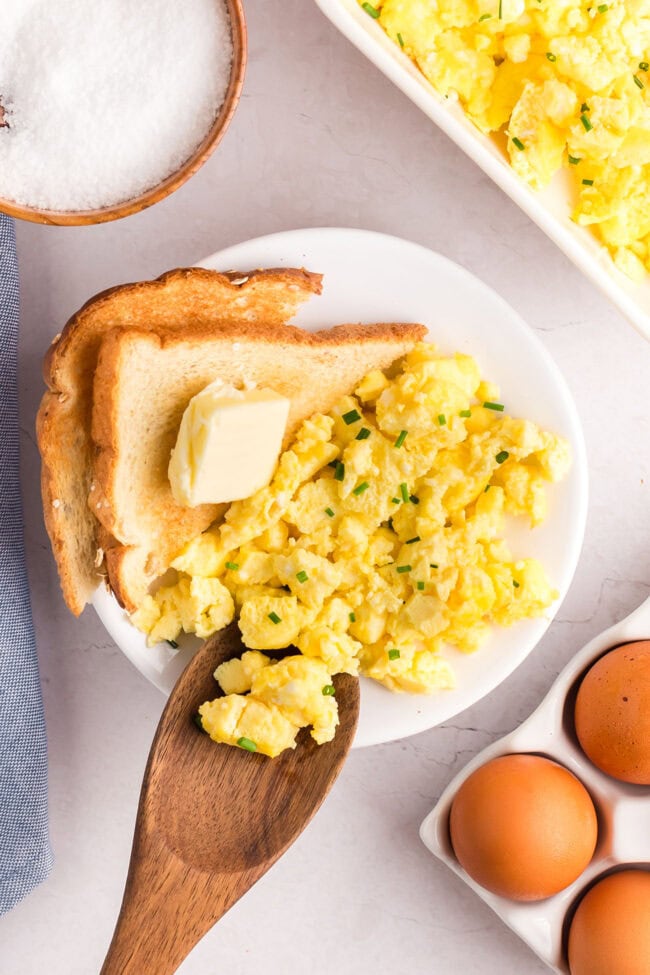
(396,500)
(420,585)
(275,618)
(394,654)
(404,568)
(638,82)
(487,488)
(302,576)
(498,407)
(484,17)
(644,66)
(465,413)
(401,40)
(173,644)
(584,107)
(602,7)
(433,565)
(247,744)
(515,584)
(404,491)
(329,512)
(587,182)
(402,437)
(586,123)
(360,488)
(363,434)
(551,57)
(502,456)
(410,541)
(518,143)
(339,473)
(500,9)
(351,417)
(328,690)
(352,617)
(233,566)
(370,10)
(574,160)
(442,419)
(413,498)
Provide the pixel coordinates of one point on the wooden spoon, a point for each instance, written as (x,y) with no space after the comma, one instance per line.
(212,819)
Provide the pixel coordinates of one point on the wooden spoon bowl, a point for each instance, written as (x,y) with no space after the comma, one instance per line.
(69,218)
(212,819)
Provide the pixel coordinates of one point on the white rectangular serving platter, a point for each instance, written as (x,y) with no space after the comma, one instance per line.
(623,810)
(550,208)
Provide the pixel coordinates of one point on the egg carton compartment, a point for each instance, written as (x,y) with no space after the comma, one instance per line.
(623,810)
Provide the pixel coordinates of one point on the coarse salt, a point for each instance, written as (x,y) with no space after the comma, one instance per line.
(106,98)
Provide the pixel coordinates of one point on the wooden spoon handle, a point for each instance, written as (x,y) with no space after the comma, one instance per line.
(167,908)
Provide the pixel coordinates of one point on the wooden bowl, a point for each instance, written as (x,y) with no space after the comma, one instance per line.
(70,218)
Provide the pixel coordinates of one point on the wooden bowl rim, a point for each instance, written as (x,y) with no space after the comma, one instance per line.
(76,218)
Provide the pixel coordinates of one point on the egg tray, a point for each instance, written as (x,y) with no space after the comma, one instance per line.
(623,810)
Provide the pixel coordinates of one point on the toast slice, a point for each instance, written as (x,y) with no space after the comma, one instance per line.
(143,383)
(181,300)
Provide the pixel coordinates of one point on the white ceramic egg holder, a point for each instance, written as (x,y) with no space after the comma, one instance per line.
(623,810)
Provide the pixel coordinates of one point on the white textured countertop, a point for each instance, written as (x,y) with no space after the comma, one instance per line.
(320,138)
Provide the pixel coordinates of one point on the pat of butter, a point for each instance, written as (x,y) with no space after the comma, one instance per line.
(228,444)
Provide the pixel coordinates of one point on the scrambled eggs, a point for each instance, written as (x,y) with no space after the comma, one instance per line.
(566,80)
(377,542)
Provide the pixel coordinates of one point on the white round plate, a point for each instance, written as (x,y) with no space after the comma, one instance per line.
(370,277)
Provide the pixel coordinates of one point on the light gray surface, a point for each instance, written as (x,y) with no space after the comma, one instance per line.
(320,138)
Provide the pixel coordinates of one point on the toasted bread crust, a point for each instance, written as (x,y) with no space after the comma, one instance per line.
(282,355)
(180,299)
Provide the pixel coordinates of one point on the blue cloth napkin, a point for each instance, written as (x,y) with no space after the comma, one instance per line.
(25,857)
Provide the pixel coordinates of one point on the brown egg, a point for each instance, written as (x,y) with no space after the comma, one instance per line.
(612,713)
(610,932)
(523,827)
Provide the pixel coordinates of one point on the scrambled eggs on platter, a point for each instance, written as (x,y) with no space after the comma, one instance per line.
(566,81)
(378,541)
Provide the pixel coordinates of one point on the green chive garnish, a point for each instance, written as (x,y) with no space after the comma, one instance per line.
(410,541)
(339,473)
(360,488)
(442,419)
(465,413)
(602,7)
(352,617)
(173,644)
(499,407)
(394,654)
(484,17)
(502,456)
(302,576)
(401,40)
(370,10)
(433,565)
(587,182)
(500,9)
(487,488)
(402,437)
(515,584)
(420,585)
(644,66)
(404,491)
(638,82)
(396,500)
(328,690)
(518,143)
(329,512)
(274,618)
(363,434)
(351,417)
(247,744)
(413,498)
(574,160)
(404,568)
(199,724)
(551,57)
(233,566)
(585,121)
(584,107)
